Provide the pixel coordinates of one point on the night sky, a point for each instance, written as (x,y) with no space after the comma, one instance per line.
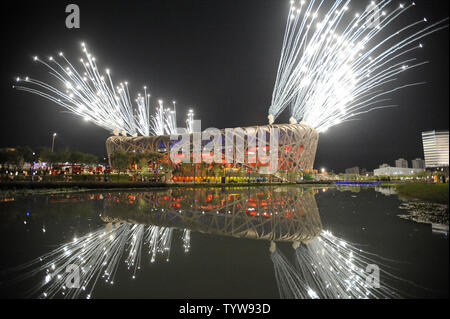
(219,57)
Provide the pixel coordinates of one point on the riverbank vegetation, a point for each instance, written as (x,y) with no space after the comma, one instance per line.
(434,193)
(16,158)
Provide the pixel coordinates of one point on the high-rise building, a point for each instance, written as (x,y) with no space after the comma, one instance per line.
(418,163)
(401,163)
(435,147)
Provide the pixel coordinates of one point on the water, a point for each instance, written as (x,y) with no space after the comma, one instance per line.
(214,243)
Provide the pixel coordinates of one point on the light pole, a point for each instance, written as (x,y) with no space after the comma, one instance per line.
(53,141)
(32,168)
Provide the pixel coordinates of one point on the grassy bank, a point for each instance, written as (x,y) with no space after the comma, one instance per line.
(434,193)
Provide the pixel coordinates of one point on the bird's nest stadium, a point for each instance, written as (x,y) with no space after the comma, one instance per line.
(296,149)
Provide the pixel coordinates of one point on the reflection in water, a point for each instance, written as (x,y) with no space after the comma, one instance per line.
(98,255)
(276,215)
(326,267)
(387,191)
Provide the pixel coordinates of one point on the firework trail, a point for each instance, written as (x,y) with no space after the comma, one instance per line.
(335,65)
(190,121)
(93,96)
(97,256)
(331,268)
(290,284)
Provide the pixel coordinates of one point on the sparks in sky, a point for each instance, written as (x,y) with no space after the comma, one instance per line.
(94,96)
(336,65)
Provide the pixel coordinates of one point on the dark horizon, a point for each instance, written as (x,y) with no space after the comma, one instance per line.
(219,58)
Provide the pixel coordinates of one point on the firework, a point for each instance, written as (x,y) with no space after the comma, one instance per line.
(88,93)
(190,122)
(326,266)
(329,267)
(97,256)
(335,65)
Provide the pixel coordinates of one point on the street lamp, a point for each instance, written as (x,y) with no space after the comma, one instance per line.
(32,168)
(53,141)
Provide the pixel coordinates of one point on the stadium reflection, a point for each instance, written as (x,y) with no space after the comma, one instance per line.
(265,214)
(137,223)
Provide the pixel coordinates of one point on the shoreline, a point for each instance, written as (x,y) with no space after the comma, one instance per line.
(431,193)
(43,188)
(113,185)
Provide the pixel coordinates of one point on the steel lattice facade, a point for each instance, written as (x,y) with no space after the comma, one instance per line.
(296,150)
(275,215)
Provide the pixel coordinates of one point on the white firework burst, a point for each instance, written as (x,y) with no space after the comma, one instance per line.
(336,65)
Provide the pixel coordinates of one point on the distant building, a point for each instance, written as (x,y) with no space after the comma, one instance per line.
(352,171)
(435,148)
(384,165)
(396,171)
(418,163)
(365,172)
(401,163)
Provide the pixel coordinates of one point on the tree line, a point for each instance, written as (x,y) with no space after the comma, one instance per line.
(20,155)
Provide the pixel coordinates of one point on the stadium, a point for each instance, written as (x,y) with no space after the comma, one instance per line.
(296,150)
